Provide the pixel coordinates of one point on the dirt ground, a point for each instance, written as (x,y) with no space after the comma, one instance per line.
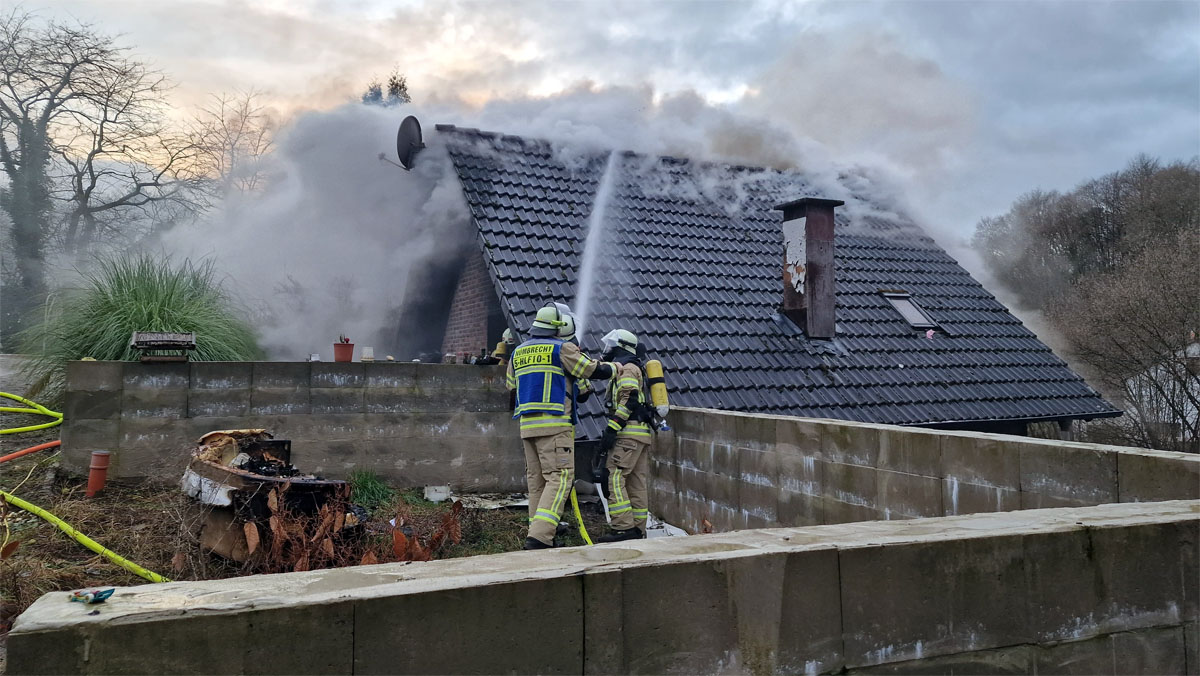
(157,527)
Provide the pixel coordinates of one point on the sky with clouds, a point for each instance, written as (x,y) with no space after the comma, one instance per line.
(970,103)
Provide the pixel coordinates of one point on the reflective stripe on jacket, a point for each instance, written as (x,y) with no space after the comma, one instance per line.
(625,398)
(541,383)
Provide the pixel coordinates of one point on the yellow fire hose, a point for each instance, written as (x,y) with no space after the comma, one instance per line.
(34,408)
(65,527)
(579,517)
(83,539)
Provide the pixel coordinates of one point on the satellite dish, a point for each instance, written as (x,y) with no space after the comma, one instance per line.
(408,141)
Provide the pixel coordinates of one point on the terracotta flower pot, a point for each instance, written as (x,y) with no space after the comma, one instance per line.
(343,351)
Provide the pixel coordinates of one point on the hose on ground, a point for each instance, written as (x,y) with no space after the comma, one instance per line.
(32,449)
(32,407)
(83,539)
(579,517)
(65,527)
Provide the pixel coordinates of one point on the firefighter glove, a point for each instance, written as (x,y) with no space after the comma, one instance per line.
(608,440)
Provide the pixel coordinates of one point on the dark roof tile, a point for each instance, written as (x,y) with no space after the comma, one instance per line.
(695,273)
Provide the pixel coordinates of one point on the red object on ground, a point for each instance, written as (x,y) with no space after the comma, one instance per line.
(97,472)
(343,351)
(31,449)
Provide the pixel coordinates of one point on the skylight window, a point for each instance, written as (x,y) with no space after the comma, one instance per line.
(908,308)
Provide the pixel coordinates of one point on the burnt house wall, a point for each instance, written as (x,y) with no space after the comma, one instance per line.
(475,320)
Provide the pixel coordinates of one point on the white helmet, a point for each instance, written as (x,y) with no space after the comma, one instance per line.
(553,319)
(620,338)
(566,329)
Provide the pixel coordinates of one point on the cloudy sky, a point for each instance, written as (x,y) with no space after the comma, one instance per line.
(970,103)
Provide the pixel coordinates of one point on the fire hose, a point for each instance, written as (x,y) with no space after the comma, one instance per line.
(35,409)
(65,527)
(579,517)
(83,539)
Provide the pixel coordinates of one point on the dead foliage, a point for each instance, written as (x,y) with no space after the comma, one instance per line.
(415,538)
(155,525)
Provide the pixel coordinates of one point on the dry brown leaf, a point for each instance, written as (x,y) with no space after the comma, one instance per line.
(9,549)
(178,562)
(705,526)
(276,524)
(369,559)
(399,544)
(273,501)
(418,553)
(251,531)
(323,526)
(302,564)
(339,521)
(327,545)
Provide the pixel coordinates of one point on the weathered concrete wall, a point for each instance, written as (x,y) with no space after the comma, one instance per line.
(415,424)
(1100,590)
(737,471)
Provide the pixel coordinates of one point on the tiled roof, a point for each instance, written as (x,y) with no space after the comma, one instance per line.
(691,260)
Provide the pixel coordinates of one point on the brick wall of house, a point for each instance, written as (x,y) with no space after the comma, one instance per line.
(474,299)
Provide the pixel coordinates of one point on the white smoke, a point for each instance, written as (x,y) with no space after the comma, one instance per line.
(330,246)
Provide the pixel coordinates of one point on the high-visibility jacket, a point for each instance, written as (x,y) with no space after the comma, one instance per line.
(625,397)
(543,372)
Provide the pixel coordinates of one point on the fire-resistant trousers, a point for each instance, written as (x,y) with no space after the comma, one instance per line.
(628,477)
(550,474)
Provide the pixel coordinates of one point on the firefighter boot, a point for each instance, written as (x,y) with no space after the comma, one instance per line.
(534,543)
(622,535)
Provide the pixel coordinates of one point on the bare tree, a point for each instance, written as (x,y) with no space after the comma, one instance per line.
(1113,265)
(234,132)
(1137,328)
(82,143)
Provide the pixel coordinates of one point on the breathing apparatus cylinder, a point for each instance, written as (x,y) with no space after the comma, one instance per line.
(658,387)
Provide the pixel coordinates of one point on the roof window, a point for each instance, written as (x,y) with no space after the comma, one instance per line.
(908,308)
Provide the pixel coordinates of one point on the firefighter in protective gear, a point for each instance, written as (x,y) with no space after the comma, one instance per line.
(626,439)
(543,372)
(505,347)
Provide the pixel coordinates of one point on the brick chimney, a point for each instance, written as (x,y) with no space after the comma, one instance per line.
(808,288)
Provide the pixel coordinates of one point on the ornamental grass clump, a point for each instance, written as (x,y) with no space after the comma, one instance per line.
(138,293)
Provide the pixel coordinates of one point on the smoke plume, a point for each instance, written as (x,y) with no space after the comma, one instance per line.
(341,242)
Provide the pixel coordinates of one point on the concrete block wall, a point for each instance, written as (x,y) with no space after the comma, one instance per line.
(729,471)
(414,424)
(1099,590)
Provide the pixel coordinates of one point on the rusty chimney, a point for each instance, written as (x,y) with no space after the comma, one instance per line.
(808,288)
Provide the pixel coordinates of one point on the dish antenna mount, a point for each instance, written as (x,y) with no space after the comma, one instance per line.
(408,142)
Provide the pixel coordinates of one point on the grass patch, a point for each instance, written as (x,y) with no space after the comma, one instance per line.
(135,293)
(369,490)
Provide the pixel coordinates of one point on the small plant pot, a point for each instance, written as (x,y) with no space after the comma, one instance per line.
(343,351)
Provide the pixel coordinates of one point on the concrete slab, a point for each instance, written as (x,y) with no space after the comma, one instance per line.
(221,375)
(511,626)
(93,376)
(1014,660)
(1158,475)
(139,376)
(1159,650)
(965,498)
(940,597)
(92,405)
(1062,476)
(905,496)
(983,460)
(683,602)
